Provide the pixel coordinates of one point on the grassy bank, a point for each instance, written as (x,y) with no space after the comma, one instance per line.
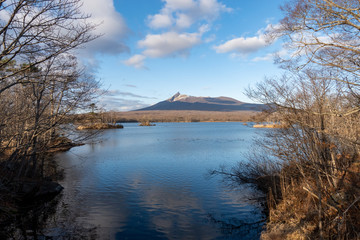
(98,126)
(168,116)
(311,184)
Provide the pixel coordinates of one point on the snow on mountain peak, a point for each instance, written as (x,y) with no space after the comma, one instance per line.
(177,97)
(181,96)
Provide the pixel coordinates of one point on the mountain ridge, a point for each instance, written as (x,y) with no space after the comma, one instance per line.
(185,102)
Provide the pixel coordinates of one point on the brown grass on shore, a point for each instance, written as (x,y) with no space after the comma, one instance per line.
(185,116)
(98,126)
(275,125)
(147,124)
(296,216)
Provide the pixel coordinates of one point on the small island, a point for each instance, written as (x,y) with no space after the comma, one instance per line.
(98,126)
(147,123)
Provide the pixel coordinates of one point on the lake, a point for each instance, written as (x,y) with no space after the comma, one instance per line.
(153,183)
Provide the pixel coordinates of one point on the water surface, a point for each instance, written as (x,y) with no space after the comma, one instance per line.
(152,183)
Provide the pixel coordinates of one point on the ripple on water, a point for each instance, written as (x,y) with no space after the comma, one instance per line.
(149,183)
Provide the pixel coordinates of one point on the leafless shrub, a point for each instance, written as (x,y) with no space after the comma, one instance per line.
(40,81)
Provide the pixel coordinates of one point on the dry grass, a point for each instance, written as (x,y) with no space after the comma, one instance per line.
(147,124)
(185,116)
(295,216)
(98,126)
(269,126)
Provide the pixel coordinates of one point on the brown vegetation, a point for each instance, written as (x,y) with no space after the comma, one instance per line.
(98,126)
(319,153)
(184,116)
(40,86)
(146,118)
(311,168)
(270,125)
(146,124)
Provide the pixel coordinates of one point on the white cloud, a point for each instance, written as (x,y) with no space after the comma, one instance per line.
(114,93)
(160,20)
(183,14)
(111,27)
(211,38)
(246,45)
(204,28)
(180,4)
(122,101)
(242,45)
(183,20)
(271,56)
(267,57)
(169,44)
(175,17)
(136,61)
(121,104)
(130,85)
(211,8)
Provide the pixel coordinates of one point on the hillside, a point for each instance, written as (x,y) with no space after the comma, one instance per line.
(185,102)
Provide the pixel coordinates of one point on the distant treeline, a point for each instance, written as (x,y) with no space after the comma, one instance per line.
(169,116)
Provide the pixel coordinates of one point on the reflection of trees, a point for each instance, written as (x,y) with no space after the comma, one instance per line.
(174,211)
(50,220)
(249,225)
(238,227)
(175,208)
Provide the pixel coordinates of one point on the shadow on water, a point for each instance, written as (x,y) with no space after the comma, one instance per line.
(135,233)
(57,220)
(49,220)
(236,227)
(248,227)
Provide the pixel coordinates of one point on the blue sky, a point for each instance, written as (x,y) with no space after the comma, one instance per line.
(151,49)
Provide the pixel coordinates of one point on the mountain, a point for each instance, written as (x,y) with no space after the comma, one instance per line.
(185,102)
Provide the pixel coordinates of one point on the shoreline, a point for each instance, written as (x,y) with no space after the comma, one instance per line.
(21,211)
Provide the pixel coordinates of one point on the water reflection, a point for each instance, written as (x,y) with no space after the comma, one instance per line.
(174,212)
(148,183)
(51,220)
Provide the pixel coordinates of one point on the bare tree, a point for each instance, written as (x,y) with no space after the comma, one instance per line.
(40,111)
(41,84)
(318,153)
(323,34)
(33,32)
(319,100)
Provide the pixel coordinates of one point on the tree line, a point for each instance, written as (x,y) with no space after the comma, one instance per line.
(310,170)
(41,82)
